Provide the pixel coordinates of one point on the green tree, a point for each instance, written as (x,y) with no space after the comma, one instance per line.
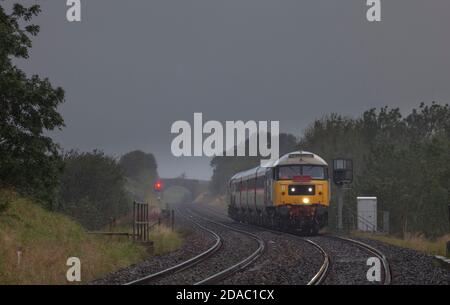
(140,169)
(29,160)
(92,189)
(404,161)
(139,166)
(409,166)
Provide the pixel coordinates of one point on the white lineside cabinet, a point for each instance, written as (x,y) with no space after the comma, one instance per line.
(367,213)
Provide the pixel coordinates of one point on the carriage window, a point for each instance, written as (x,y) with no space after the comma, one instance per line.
(289,172)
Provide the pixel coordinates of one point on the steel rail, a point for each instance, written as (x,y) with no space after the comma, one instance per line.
(221,275)
(185,264)
(321,275)
(374,251)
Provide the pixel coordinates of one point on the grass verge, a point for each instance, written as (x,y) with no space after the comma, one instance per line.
(411,241)
(165,240)
(48,239)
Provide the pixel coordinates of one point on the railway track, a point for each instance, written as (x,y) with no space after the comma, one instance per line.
(321,275)
(342,260)
(387,279)
(202,257)
(185,264)
(241,264)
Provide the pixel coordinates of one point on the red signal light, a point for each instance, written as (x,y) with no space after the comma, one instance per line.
(158,186)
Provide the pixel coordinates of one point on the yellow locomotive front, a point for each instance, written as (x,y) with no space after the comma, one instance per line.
(301,191)
(301,185)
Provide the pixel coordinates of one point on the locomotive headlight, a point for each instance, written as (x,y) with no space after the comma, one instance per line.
(305,200)
(292,189)
(310,189)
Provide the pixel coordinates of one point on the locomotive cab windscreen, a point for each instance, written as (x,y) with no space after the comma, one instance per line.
(293,172)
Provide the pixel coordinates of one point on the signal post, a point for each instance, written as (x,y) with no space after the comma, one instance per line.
(342,177)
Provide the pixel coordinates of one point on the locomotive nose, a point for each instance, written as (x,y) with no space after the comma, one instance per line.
(301,190)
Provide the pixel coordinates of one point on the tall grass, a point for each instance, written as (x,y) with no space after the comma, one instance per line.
(47,240)
(165,240)
(412,241)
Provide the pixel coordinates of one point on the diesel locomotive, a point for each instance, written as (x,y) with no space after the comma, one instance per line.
(290,194)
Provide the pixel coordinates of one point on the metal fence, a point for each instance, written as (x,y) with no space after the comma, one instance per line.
(141,224)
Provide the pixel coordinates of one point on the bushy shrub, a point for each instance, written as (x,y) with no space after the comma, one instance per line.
(92,189)
(7,196)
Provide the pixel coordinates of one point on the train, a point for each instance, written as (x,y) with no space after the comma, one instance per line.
(291,193)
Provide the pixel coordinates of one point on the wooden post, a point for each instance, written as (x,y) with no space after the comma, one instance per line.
(140,222)
(143,222)
(137,221)
(141,233)
(134,220)
(173,220)
(19,256)
(146,222)
(144,236)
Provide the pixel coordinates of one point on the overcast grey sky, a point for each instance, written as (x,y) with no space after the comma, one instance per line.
(132,68)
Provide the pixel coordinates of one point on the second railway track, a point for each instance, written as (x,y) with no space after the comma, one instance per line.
(333,256)
(172,275)
(319,275)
